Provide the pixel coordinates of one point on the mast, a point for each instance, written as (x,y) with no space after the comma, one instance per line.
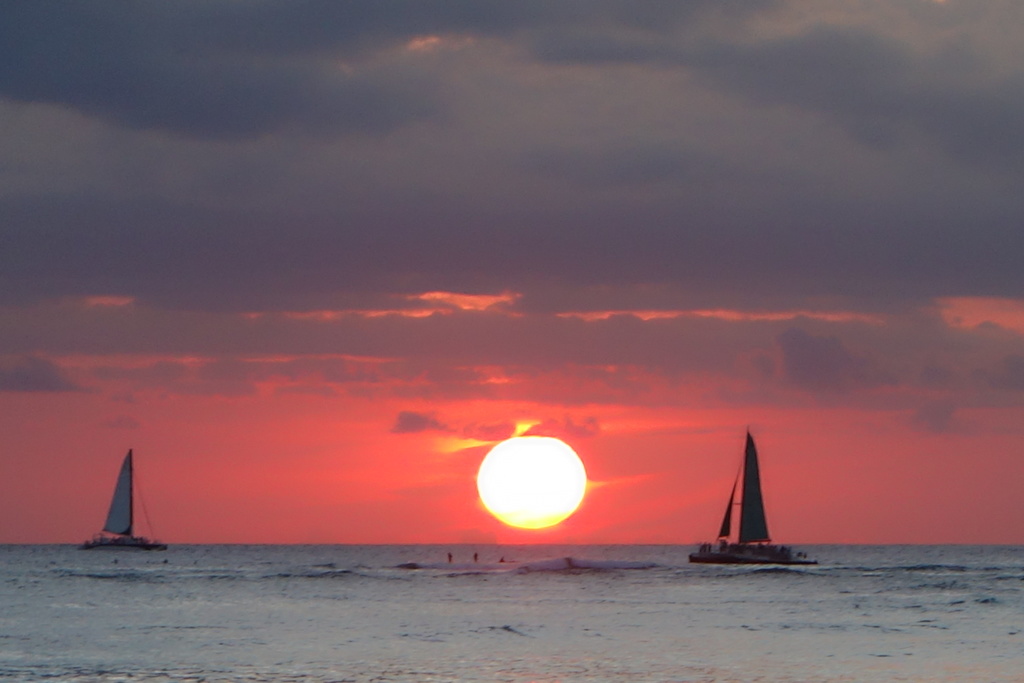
(129,462)
(753,524)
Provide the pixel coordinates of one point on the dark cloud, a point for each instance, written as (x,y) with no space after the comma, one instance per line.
(938,417)
(764,365)
(233,375)
(222,69)
(217,70)
(625,165)
(307,390)
(489,432)
(486,353)
(881,90)
(565,429)
(936,376)
(409,422)
(33,374)
(159,373)
(1009,374)
(221,377)
(684,187)
(823,364)
(196,258)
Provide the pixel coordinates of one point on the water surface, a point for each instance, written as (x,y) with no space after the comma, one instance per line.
(607,613)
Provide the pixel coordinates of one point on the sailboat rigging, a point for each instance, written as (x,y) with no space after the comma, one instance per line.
(118,531)
(753,543)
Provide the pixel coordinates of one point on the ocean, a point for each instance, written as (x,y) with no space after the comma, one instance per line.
(545,613)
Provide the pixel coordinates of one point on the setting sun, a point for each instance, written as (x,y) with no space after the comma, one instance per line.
(532,482)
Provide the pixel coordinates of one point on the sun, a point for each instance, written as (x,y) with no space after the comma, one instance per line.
(532,482)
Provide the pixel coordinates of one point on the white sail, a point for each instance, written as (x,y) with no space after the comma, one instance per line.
(119,519)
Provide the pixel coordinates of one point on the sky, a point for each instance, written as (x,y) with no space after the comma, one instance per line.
(312,260)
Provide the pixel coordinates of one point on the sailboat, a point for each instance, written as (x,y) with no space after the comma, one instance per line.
(118,533)
(753,544)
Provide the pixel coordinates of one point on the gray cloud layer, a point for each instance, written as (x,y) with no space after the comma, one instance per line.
(223,155)
(31,374)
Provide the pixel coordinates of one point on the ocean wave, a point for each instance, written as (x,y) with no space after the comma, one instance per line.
(933,568)
(503,629)
(576,563)
(558,564)
(779,570)
(125,575)
(324,574)
(924,569)
(455,568)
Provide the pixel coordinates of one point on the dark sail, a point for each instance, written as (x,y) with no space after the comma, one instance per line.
(727,520)
(753,545)
(753,525)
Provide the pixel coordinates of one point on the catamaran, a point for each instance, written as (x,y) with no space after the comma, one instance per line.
(753,544)
(118,533)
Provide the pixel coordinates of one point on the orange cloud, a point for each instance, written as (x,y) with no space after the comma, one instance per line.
(108,301)
(970,312)
(468,302)
(333,316)
(731,315)
(433,43)
(424,304)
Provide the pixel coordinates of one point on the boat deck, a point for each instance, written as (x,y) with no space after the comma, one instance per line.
(745,558)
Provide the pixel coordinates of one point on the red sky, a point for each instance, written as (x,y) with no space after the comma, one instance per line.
(311,265)
(859,444)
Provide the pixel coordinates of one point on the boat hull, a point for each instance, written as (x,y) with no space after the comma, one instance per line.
(736,558)
(130,543)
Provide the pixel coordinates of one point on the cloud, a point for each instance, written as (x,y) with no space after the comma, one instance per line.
(937,417)
(489,432)
(219,69)
(565,428)
(881,88)
(822,364)
(727,164)
(1009,374)
(881,91)
(409,422)
(206,70)
(33,374)
(936,376)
